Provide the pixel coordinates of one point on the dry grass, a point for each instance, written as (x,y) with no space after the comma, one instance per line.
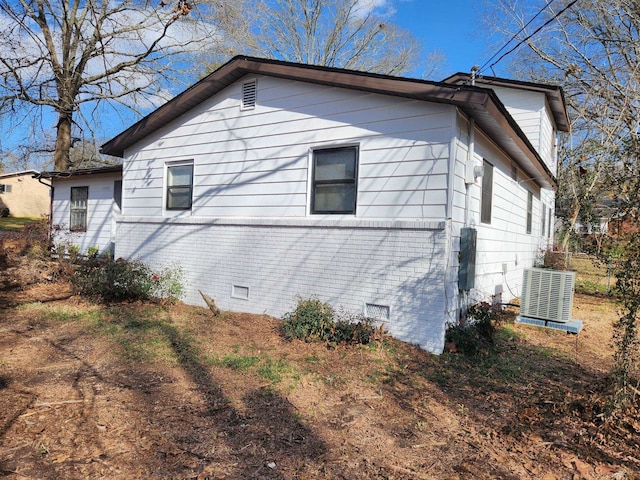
(151,391)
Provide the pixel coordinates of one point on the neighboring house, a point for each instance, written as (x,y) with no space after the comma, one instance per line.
(23,195)
(86,204)
(269,180)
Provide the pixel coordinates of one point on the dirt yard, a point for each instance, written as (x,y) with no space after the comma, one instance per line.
(142,391)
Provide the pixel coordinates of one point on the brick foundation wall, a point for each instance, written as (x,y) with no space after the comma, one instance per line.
(261,266)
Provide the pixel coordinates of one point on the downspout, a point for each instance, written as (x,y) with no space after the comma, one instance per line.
(468,181)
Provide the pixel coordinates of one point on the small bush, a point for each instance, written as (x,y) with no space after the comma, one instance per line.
(313,320)
(168,284)
(36,236)
(360,332)
(477,334)
(108,280)
(552,259)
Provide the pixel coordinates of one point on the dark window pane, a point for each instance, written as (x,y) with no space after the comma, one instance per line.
(179,187)
(529,211)
(335,198)
(487,193)
(78,208)
(179,198)
(117,193)
(335,165)
(334,180)
(180,175)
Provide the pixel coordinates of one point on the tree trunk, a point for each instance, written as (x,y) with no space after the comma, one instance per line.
(63,142)
(571,225)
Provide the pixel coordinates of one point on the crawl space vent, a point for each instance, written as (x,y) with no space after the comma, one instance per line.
(249,92)
(377,312)
(238,291)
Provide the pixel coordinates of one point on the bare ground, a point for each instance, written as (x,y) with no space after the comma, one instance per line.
(141,391)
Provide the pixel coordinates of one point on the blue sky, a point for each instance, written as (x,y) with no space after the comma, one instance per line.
(452,27)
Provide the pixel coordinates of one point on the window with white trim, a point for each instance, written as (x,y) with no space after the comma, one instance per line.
(486,199)
(5,188)
(334,180)
(179,186)
(78,209)
(529,211)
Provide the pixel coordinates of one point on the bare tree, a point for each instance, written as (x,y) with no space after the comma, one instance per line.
(64,58)
(351,34)
(593,51)
(590,48)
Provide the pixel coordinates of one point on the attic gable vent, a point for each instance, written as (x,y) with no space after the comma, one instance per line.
(249,92)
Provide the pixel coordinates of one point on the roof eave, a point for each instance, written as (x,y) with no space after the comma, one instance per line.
(79,172)
(479,103)
(17,174)
(553,93)
(505,132)
(240,66)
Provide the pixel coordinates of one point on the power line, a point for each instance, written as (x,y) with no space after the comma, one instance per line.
(534,32)
(515,35)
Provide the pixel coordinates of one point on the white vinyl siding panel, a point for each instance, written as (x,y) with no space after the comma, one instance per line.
(532,113)
(256,163)
(548,141)
(505,242)
(100,211)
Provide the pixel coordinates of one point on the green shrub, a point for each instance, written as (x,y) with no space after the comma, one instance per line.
(108,280)
(477,334)
(313,320)
(168,284)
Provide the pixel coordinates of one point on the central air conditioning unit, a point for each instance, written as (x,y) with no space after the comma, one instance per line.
(547,294)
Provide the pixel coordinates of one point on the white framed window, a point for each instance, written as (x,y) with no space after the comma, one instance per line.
(78,209)
(5,188)
(334,180)
(179,194)
(529,211)
(486,199)
(544,220)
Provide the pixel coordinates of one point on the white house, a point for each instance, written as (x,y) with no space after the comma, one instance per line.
(86,205)
(269,180)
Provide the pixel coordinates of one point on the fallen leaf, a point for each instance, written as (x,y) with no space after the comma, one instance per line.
(61,458)
(583,469)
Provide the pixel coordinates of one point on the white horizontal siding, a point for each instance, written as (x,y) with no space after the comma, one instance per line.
(100,212)
(533,114)
(504,242)
(254,161)
(548,141)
